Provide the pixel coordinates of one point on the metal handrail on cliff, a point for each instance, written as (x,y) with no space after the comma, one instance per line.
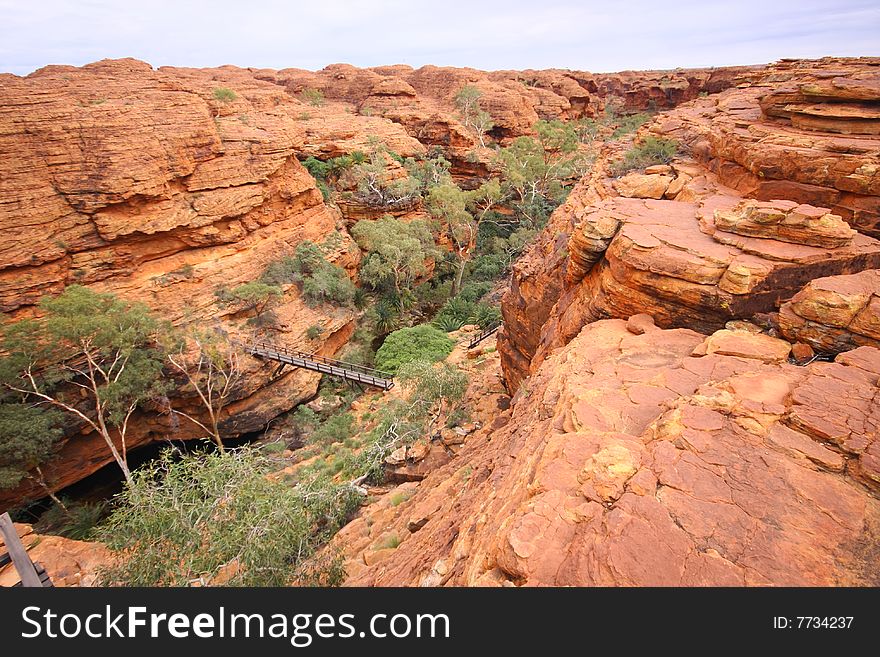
(485,334)
(316,363)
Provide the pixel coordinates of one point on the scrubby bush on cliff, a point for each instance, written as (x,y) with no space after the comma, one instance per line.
(206,516)
(422,342)
(224,95)
(467,100)
(319,280)
(93,357)
(255,296)
(313,97)
(629,123)
(649,151)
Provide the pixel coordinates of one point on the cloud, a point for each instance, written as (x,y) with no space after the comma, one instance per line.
(592,35)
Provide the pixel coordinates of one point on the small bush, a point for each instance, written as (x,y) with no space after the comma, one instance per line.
(628,124)
(314,332)
(313,97)
(319,280)
(398,498)
(224,95)
(77,522)
(336,429)
(486,316)
(651,150)
(390,542)
(275,447)
(185,518)
(422,342)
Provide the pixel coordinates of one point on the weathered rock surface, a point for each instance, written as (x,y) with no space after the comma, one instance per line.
(703,247)
(422,100)
(669,260)
(68,562)
(142,183)
(805,131)
(786,221)
(628,460)
(835,313)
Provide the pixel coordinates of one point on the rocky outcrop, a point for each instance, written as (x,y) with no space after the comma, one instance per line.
(422,100)
(689,243)
(834,314)
(805,131)
(663,458)
(67,562)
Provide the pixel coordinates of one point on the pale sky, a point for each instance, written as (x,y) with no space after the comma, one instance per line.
(607,35)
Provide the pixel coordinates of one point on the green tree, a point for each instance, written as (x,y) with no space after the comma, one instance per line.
(397,252)
(93,357)
(255,295)
(422,342)
(535,169)
(210,366)
(203,516)
(374,184)
(432,388)
(27,436)
(448,203)
(467,100)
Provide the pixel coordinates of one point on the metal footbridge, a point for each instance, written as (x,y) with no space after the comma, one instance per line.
(348,371)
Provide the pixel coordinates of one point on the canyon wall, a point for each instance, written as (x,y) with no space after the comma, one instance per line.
(652,242)
(167,185)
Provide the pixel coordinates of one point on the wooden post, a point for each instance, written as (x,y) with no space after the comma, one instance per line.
(20,558)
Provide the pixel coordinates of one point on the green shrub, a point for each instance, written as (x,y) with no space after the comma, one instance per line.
(398,498)
(224,95)
(335,429)
(448,323)
(275,447)
(187,517)
(390,542)
(628,124)
(486,316)
(458,417)
(78,521)
(319,280)
(422,342)
(314,332)
(312,97)
(454,314)
(651,150)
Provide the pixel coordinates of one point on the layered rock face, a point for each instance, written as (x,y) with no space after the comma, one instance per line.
(422,100)
(805,131)
(681,242)
(143,183)
(834,314)
(640,456)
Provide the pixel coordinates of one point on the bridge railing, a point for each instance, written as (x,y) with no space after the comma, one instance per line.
(295,353)
(482,336)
